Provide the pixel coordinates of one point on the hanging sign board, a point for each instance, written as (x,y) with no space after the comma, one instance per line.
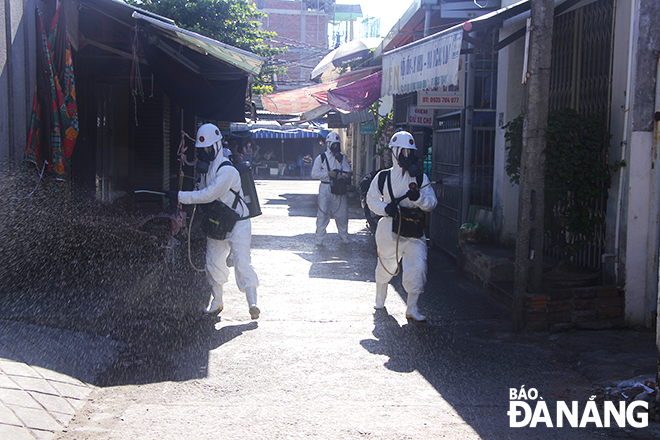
(441,97)
(368,128)
(450,96)
(424,64)
(420,116)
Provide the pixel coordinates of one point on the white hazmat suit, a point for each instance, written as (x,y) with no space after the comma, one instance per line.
(410,251)
(217,184)
(331,205)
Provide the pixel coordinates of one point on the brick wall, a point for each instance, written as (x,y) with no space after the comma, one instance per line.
(304,32)
(275,4)
(579,307)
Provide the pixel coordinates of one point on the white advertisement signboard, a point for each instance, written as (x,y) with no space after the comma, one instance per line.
(431,62)
(420,116)
(451,96)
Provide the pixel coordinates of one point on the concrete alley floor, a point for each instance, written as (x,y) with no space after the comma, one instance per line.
(320,363)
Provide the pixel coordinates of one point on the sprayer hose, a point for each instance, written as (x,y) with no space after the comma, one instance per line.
(396,252)
(325,213)
(189,229)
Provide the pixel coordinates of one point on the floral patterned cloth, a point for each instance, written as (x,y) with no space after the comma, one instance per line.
(54,119)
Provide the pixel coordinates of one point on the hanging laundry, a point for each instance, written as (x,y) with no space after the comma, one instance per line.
(54,119)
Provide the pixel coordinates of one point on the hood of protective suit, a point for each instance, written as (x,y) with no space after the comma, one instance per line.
(414,168)
(220,155)
(396,167)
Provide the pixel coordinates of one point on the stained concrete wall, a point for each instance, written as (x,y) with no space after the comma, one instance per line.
(633,203)
(510,103)
(17,74)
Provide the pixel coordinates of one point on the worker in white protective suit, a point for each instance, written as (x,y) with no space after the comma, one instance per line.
(217,184)
(405,183)
(334,171)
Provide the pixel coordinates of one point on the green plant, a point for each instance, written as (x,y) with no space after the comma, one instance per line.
(513,137)
(382,122)
(576,176)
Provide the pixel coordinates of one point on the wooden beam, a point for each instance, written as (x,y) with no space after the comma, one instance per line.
(110,49)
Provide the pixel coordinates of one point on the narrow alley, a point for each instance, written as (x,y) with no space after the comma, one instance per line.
(320,362)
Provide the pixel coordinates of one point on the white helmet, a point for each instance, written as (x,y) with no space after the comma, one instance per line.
(403,149)
(207,134)
(332,137)
(403,139)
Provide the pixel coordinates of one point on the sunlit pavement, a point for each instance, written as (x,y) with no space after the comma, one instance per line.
(319,363)
(44,377)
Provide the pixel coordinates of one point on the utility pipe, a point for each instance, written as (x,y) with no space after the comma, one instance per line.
(624,143)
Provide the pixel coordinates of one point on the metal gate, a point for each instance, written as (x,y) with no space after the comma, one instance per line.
(580,79)
(448,140)
(464,151)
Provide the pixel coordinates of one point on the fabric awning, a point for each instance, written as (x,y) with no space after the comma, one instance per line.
(295,101)
(298,133)
(303,100)
(356,96)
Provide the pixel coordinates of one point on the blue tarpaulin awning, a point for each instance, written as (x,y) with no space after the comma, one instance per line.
(298,133)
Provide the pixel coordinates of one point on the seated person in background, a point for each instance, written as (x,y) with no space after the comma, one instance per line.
(235,156)
(247,152)
(306,166)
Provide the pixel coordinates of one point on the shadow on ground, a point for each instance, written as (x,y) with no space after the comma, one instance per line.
(306,205)
(467,352)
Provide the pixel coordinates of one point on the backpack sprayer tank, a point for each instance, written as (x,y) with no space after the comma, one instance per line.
(249,189)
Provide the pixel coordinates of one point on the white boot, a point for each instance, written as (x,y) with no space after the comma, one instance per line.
(381,294)
(251,295)
(411,310)
(215,303)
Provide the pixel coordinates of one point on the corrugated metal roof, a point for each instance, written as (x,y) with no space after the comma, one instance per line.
(298,133)
(240,58)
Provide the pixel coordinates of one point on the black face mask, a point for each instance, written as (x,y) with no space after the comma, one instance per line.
(204,159)
(335,149)
(409,163)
